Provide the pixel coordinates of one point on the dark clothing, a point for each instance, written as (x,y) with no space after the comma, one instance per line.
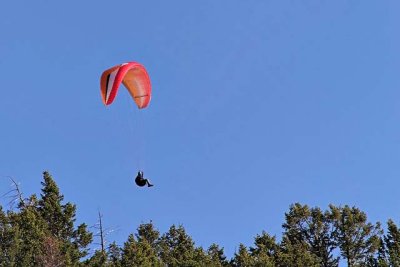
(141,181)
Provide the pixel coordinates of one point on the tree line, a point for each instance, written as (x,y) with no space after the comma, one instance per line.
(41,231)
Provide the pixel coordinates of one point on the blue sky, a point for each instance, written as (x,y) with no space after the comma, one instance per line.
(256,105)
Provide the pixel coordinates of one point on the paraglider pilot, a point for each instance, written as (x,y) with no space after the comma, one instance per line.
(141,181)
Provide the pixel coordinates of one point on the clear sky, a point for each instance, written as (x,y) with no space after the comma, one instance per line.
(256,105)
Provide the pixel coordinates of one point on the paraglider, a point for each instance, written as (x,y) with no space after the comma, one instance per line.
(136,80)
(141,181)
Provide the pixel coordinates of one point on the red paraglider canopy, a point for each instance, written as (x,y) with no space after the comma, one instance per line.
(135,78)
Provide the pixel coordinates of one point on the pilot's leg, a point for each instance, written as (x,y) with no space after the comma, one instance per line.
(148,183)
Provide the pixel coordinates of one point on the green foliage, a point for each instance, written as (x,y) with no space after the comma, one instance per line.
(177,248)
(266,250)
(114,255)
(51,254)
(392,245)
(42,232)
(311,230)
(147,232)
(358,239)
(138,253)
(8,241)
(242,257)
(296,255)
(99,259)
(31,232)
(216,256)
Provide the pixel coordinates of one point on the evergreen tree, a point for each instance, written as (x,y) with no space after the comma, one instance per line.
(42,232)
(296,254)
(177,248)
(313,230)
(381,259)
(8,241)
(60,218)
(114,255)
(147,233)
(217,256)
(51,255)
(31,231)
(129,252)
(358,239)
(392,243)
(265,250)
(138,253)
(60,222)
(98,259)
(242,258)
(200,258)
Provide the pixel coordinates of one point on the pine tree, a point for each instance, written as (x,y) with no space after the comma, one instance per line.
(381,259)
(51,255)
(98,259)
(41,232)
(147,233)
(60,220)
(8,241)
(60,217)
(217,256)
(177,248)
(392,242)
(265,250)
(200,258)
(31,231)
(296,254)
(313,230)
(138,253)
(129,251)
(358,239)
(242,258)
(114,255)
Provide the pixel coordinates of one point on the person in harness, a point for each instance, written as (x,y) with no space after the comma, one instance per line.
(141,181)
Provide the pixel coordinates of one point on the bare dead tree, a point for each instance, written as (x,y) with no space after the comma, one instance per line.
(101,233)
(14,195)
